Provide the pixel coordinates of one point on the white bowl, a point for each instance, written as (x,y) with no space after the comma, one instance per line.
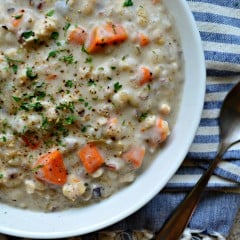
(72,222)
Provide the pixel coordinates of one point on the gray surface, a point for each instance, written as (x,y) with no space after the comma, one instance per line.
(235,233)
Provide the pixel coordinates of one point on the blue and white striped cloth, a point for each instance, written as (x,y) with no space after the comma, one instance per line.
(219,24)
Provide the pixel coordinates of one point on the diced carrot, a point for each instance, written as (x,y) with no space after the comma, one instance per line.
(155,1)
(143,39)
(135,156)
(31,141)
(77,36)
(50,168)
(145,76)
(106,34)
(17,19)
(51,76)
(90,158)
(163,129)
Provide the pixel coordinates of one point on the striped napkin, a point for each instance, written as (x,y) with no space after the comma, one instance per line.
(219,25)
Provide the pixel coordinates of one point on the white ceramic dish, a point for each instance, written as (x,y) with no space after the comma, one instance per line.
(74,222)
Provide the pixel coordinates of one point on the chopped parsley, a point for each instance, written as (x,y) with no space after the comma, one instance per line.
(70,120)
(68,59)
(55,35)
(53,54)
(69,83)
(13,63)
(39,95)
(91,83)
(27,34)
(88,60)
(128,3)
(84,128)
(37,106)
(84,49)
(143,116)
(113,67)
(30,74)
(15,68)
(50,13)
(66,106)
(18,16)
(117,86)
(4,139)
(45,122)
(1,175)
(66,27)
(16,99)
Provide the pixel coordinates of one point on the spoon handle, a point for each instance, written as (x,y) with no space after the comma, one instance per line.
(177,222)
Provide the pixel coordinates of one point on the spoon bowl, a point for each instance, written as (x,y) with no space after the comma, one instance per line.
(229,119)
(229,123)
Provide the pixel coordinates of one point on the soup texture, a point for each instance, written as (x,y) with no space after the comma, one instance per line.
(89,91)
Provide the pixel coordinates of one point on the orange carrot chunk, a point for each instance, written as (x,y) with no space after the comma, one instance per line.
(17,19)
(50,168)
(106,34)
(135,156)
(163,129)
(77,36)
(143,39)
(145,76)
(51,76)
(90,158)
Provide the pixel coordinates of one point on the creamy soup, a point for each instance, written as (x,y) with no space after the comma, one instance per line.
(89,91)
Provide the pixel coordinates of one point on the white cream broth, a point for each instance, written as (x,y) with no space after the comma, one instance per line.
(89,92)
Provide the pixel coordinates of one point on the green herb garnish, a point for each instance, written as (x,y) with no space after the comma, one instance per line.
(84,49)
(66,27)
(16,99)
(15,68)
(45,122)
(50,13)
(128,3)
(70,120)
(18,16)
(88,60)
(55,35)
(68,59)
(28,34)
(66,106)
(30,74)
(37,106)
(4,139)
(53,54)
(91,83)
(69,84)
(117,86)
(143,116)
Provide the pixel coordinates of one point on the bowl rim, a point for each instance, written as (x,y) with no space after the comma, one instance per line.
(17,231)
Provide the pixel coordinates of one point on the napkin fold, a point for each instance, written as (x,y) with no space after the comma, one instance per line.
(219,24)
